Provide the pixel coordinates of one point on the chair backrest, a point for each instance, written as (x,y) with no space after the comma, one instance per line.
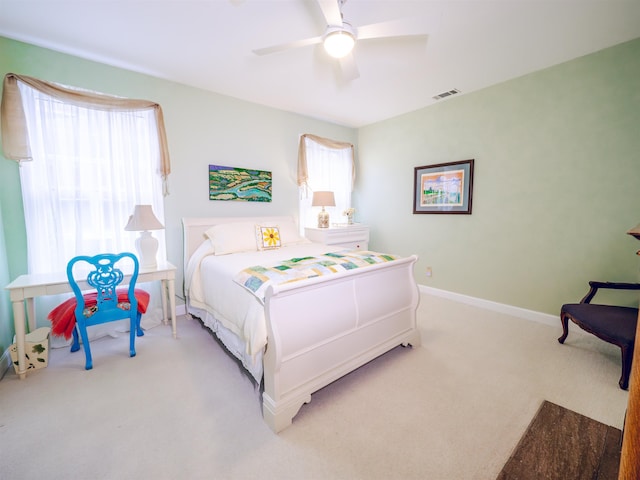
(105,275)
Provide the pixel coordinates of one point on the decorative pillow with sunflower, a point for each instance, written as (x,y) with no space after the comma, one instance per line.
(268,237)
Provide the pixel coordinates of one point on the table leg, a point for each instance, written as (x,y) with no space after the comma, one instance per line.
(31,313)
(18,323)
(172,303)
(163,287)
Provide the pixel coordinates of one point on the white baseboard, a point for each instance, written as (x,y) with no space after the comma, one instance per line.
(181,310)
(532,315)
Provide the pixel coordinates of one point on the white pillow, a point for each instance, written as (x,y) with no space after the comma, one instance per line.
(232,238)
(289,233)
(268,237)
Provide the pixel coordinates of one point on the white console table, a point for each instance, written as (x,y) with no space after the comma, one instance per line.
(354,236)
(25,288)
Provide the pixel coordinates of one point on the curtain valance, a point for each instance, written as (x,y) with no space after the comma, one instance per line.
(15,136)
(303,174)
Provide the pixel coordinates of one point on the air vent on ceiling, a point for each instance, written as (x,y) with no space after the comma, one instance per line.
(446,94)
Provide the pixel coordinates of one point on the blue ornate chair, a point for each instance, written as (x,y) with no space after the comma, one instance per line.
(104,305)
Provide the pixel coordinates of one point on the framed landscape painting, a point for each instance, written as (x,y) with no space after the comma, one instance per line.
(230,183)
(443,188)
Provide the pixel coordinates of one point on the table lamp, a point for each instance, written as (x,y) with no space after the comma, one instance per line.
(323,199)
(142,221)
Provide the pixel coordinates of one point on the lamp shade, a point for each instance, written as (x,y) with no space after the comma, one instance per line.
(323,199)
(338,41)
(143,219)
(338,44)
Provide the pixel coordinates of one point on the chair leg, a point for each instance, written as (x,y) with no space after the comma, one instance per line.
(627,358)
(87,348)
(75,345)
(139,330)
(134,321)
(564,319)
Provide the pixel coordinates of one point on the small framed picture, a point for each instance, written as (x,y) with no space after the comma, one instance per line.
(443,188)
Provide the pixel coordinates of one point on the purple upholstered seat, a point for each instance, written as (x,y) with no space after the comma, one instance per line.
(613,324)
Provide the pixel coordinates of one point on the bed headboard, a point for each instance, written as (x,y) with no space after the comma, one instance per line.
(193,229)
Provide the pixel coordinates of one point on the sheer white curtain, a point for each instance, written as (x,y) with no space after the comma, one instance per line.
(327,168)
(90,167)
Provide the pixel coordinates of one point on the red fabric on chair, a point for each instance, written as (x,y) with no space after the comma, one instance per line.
(63,318)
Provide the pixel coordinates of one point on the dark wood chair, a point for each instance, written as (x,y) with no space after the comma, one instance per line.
(613,324)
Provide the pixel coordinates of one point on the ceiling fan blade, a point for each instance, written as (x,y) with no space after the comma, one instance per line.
(349,67)
(287,46)
(407,27)
(331,11)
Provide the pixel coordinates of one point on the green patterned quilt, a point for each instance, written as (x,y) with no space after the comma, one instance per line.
(257,279)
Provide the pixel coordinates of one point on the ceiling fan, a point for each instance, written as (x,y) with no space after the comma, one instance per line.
(340,36)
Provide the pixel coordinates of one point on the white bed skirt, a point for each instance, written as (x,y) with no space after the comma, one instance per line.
(233,343)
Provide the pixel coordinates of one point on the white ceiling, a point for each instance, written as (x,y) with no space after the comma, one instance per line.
(208,44)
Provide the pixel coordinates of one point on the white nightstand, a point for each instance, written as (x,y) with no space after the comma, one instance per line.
(354,236)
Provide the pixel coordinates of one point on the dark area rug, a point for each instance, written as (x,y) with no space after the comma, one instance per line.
(564,445)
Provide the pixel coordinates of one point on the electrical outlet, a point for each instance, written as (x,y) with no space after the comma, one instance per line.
(429,272)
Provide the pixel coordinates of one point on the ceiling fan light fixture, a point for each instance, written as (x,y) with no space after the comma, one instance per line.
(339,41)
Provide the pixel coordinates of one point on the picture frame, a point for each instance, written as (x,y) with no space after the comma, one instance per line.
(243,184)
(443,188)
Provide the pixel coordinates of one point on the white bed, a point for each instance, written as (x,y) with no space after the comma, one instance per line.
(305,334)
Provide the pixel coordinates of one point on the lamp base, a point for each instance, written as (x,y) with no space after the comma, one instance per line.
(323,219)
(147,247)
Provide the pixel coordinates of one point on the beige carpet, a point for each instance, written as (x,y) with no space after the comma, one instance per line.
(560,444)
(453,408)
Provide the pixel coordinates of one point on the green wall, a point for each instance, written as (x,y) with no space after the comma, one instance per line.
(555,188)
(6,327)
(202,127)
(556,184)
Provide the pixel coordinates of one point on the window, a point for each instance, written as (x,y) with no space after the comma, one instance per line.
(324,165)
(91,162)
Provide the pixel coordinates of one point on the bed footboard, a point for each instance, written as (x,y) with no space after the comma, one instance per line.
(323,329)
